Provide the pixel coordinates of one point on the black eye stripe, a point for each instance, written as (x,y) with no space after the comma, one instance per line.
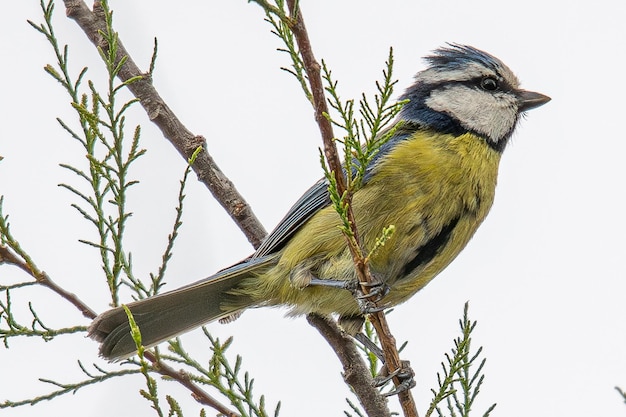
(471,83)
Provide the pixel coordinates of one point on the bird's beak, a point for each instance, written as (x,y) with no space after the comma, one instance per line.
(529,100)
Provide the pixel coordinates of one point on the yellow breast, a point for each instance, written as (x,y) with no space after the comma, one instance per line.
(442,187)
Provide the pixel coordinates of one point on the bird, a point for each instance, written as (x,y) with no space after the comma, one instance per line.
(434,180)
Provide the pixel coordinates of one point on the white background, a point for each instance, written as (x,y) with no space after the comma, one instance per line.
(544,275)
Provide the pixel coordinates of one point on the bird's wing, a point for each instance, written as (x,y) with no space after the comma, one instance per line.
(312,201)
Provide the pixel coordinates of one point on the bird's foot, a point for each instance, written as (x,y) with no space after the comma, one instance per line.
(403,375)
(369,301)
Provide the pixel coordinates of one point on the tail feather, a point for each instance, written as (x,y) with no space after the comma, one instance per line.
(167,315)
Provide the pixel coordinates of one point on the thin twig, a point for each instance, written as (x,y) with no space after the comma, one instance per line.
(320,105)
(312,68)
(185,142)
(8,257)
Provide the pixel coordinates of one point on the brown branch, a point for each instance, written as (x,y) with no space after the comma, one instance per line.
(320,106)
(355,371)
(185,142)
(312,68)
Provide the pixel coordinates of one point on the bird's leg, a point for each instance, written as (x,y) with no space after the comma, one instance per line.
(367,302)
(344,285)
(404,374)
(302,276)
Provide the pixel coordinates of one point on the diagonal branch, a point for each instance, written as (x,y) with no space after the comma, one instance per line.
(185,142)
(312,68)
(355,371)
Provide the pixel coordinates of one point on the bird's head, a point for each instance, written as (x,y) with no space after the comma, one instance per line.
(467,90)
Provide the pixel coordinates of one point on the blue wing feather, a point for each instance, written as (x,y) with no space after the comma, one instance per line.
(312,201)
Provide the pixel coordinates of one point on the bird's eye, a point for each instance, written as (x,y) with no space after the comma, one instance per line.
(489,84)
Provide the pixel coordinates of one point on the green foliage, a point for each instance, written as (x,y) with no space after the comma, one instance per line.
(372,359)
(8,241)
(222,375)
(461,377)
(355,409)
(157,279)
(145,368)
(102,135)
(36,328)
(366,134)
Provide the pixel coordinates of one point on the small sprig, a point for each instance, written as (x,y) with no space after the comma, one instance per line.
(365,135)
(144,366)
(11,251)
(363,138)
(223,376)
(461,377)
(61,73)
(157,279)
(36,328)
(355,409)
(277,16)
(70,388)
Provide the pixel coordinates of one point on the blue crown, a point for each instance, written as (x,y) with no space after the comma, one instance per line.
(458,56)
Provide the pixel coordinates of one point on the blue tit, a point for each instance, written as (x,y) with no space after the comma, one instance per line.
(434,180)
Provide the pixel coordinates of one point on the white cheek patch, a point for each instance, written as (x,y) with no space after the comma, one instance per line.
(492,115)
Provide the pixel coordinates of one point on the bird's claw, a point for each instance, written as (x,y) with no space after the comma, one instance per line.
(368,302)
(370,307)
(404,375)
(377,290)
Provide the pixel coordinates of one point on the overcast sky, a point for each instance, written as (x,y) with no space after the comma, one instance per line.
(544,275)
